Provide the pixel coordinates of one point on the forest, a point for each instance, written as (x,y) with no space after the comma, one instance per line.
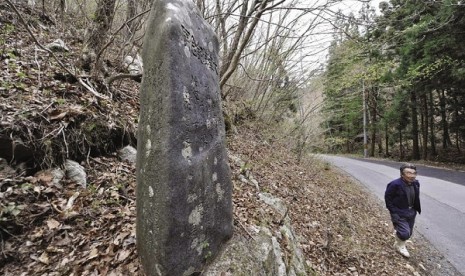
(404,71)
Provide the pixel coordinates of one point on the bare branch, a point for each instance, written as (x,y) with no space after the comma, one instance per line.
(113,35)
(237,53)
(111,79)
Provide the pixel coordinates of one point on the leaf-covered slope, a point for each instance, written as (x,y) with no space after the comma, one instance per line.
(46,116)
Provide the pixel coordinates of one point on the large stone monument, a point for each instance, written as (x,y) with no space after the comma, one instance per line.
(184,208)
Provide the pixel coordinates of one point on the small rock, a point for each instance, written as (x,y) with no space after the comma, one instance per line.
(254,182)
(76,173)
(236,160)
(128,153)
(243,179)
(279,267)
(58,175)
(134,64)
(57,46)
(274,202)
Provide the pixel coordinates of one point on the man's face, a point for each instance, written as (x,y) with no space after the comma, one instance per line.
(409,175)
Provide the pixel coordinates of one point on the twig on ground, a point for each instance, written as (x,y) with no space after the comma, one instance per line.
(127,198)
(100,162)
(91,89)
(41,213)
(281,222)
(6,231)
(38,66)
(88,156)
(58,130)
(47,107)
(66,143)
(245,229)
(111,79)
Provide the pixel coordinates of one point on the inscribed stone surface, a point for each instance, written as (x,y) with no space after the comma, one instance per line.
(184,208)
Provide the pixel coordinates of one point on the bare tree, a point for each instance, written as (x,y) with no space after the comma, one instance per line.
(132,6)
(102,23)
(239,23)
(270,52)
(243,35)
(99,32)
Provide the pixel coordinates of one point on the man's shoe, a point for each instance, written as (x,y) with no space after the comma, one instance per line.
(401,248)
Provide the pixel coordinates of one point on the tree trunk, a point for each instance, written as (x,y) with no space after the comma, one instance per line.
(130,13)
(424,125)
(431,124)
(243,35)
(374,119)
(200,4)
(416,148)
(401,146)
(386,137)
(103,18)
(446,142)
(373,142)
(456,119)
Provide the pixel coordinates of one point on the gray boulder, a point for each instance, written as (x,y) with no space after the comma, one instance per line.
(57,175)
(75,172)
(57,45)
(128,153)
(260,254)
(133,64)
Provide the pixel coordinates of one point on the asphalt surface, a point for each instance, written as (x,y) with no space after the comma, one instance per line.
(442,195)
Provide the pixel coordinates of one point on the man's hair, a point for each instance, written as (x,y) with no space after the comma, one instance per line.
(407,166)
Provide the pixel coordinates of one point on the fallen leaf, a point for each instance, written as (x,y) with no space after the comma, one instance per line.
(123,254)
(93,253)
(71,200)
(57,115)
(52,249)
(129,241)
(63,242)
(64,262)
(37,234)
(44,258)
(37,189)
(120,237)
(52,224)
(45,177)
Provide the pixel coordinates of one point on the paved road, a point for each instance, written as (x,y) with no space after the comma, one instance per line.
(442,220)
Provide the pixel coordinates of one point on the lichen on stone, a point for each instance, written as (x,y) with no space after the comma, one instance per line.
(148,147)
(195,216)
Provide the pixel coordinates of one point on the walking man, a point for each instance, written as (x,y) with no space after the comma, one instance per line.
(402,199)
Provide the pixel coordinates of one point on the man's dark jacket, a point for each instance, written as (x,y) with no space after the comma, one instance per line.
(396,197)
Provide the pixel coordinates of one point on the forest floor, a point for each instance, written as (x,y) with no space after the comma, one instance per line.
(58,228)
